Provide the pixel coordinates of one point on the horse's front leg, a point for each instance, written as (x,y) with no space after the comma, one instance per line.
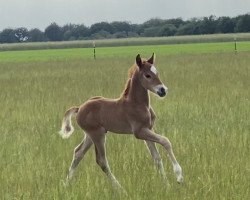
(156,157)
(152,116)
(153,150)
(147,134)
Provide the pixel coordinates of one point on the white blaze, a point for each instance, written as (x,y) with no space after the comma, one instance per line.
(153,69)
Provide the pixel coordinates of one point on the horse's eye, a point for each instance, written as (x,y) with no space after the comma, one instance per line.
(147,76)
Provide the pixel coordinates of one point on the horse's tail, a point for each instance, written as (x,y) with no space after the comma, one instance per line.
(67,128)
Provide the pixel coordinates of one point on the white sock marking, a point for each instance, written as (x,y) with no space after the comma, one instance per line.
(178,172)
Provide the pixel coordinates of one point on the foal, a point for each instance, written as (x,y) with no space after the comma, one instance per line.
(130,114)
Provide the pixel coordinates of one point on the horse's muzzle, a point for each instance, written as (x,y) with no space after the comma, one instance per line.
(162,92)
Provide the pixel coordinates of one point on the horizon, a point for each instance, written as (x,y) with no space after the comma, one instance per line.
(61,25)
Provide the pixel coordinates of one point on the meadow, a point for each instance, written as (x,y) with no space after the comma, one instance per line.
(206,116)
(187,39)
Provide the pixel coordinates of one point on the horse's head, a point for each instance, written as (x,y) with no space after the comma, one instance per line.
(149,76)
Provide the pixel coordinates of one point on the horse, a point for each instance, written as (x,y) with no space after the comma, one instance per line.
(131,113)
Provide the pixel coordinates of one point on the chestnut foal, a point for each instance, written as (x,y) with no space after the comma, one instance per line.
(130,114)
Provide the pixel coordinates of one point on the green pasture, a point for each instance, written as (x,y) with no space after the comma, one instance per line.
(187,39)
(54,55)
(206,116)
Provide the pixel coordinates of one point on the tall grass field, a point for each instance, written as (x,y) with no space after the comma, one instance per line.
(206,116)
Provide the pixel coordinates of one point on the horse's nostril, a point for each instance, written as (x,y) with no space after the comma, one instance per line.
(162,90)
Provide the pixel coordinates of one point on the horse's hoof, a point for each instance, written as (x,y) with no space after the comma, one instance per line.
(180,179)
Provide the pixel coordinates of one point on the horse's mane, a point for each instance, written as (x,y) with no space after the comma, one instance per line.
(131,72)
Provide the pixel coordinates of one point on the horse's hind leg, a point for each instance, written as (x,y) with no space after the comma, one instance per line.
(156,157)
(98,138)
(79,153)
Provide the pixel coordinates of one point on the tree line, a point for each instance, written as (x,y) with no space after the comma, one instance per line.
(122,29)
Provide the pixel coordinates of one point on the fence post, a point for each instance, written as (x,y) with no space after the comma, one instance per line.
(235,45)
(94,49)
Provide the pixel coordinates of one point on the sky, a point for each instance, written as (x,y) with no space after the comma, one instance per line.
(41,13)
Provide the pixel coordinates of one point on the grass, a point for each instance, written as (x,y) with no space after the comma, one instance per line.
(206,116)
(212,38)
(55,55)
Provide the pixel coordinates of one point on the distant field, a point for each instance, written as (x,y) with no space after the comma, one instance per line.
(206,116)
(55,55)
(128,42)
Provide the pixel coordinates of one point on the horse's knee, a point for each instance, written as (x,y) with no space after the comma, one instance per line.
(102,164)
(78,150)
(98,161)
(78,154)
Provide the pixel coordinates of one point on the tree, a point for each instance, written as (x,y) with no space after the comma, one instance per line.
(35,35)
(153,23)
(137,28)
(243,23)
(151,31)
(176,22)
(161,27)
(196,24)
(53,32)
(225,25)
(167,30)
(66,31)
(8,36)
(120,34)
(80,31)
(132,34)
(67,35)
(121,29)
(102,26)
(208,25)
(187,29)
(121,26)
(101,35)
(21,34)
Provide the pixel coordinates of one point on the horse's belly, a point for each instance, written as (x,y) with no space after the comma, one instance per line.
(117,126)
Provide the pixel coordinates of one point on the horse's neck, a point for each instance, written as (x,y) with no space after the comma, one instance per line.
(137,93)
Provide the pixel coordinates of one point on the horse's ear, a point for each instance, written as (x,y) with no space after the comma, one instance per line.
(152,59)
(138,61)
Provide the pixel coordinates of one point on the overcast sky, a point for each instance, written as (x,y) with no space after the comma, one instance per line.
(40,13)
